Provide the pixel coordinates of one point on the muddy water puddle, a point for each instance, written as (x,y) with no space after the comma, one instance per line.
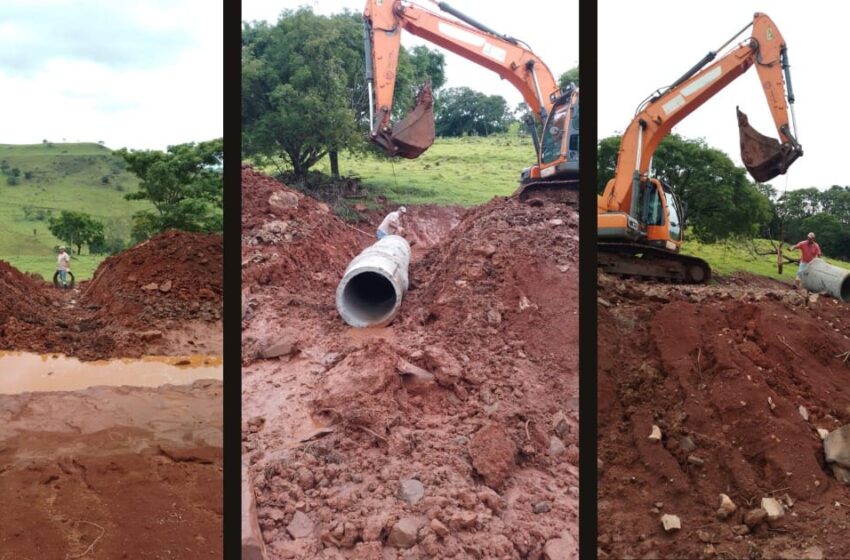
(23,372)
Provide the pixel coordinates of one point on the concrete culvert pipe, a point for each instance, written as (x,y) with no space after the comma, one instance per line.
(371,290)
(820,277)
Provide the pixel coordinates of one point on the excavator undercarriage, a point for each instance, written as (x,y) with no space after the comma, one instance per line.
(641,261)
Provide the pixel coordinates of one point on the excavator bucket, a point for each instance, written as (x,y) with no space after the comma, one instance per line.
(764,157)
(414,134)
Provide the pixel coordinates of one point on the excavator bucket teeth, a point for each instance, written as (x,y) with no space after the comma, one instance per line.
(414,134)
(764,157)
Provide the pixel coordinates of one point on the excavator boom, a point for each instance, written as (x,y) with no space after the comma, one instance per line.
(384,21)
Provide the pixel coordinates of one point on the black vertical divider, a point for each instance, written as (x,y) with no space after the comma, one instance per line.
(587,281)
(232,396)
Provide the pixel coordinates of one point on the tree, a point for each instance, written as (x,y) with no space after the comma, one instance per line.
(568,77)
(304,94)
(721,201)
(463,111)
(184,184)
(76,229)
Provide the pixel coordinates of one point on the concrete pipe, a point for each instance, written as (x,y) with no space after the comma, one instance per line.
(820,277)
(370,292)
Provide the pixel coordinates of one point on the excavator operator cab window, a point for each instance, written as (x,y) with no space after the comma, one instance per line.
(554,134)
(573,145)
(654,209)
(673,214)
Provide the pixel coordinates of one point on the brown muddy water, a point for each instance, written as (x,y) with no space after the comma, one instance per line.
(23,372)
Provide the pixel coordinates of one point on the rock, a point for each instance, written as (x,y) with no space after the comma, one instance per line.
(804,413)
(305,478)
(671,522)
(770,403)
(556,446)
(823,433)
(404,533)
(360,207)
(687,444)
(656,434)
(540,507)
(301,526)
(493,455)
(773,508)
(754,517)
(411,491)
(463,521)
(439,529)
(284,347)
(836,446)
(147,336)
(283,201)
(706,537)
(491,499)
(447,370)
(560,425)
(556,222)
(727,507)
(694,460)
(150,287)
(494,318)
(558,549)
(165,287)
(406,368)
(324,208)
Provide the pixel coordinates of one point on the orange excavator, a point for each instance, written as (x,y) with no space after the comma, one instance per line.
(557,151)
(641,221)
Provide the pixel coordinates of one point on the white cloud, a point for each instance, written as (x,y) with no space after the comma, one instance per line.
(161,86)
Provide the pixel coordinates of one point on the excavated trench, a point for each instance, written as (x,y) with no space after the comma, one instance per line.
(471,391)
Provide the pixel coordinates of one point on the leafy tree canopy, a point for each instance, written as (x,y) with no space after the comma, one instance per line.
(184,185)
(76,229)
(463,111)
(568,77)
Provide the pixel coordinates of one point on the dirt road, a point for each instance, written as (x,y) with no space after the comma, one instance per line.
(738,377)
(452,433)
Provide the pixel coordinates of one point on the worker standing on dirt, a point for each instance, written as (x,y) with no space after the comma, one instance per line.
(63,264)
(392,223)
(809,251)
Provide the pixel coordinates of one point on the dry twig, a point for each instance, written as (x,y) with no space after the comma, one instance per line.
(91,546)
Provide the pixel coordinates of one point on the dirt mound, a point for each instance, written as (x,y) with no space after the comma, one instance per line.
(173,275)
(163,296)
(738,378)
(22,299)
(452,433)
(290,240)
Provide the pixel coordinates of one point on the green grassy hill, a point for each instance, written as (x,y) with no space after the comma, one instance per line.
(52,177)
(464,171)
(729,257)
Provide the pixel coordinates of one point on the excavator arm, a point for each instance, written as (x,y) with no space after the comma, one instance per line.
(384,20)
(763,157)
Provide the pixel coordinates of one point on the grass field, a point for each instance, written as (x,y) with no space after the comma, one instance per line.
(729,257)
(462,171)
(83,177)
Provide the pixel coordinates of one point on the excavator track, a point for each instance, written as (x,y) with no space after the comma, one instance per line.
(564,191)
(630,259)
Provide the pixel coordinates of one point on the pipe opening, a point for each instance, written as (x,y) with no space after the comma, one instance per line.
(369,298)
(845,289)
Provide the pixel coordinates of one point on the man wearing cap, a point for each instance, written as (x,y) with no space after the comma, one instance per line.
(63,264)
(392,223)
(809,251)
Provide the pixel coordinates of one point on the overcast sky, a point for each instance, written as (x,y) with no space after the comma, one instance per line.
(666,37)
(550,28)
(142,74)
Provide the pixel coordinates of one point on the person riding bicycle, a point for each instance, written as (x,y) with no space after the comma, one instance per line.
(63,265)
